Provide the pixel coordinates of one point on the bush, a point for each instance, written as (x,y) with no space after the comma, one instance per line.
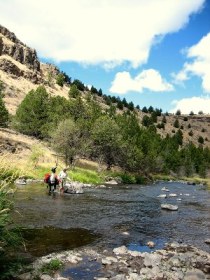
(51,267)
(200,140)
(10,236)
(190,133)
(60,79)
(128,178)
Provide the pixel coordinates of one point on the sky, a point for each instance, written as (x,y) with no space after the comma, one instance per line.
(151,52)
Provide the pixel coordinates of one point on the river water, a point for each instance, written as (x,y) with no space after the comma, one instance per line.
(113,216)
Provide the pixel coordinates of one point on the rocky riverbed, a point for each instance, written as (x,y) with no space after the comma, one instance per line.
(174,262)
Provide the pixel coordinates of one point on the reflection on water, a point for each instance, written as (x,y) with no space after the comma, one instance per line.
(110,212)
(42,241)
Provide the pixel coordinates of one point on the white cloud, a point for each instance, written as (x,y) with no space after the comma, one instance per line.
(194,104)
(106,31)
(200,66)
(148,79)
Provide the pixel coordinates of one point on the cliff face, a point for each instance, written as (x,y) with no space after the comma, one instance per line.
(12,52)
(11,46)
(21,70)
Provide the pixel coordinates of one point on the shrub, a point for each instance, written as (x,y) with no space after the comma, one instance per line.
(60,79)
(51,267)
(176,123)
(190,133)
(200,140)
(10,236)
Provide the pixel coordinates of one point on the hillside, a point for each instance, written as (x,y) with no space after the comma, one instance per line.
(21,71)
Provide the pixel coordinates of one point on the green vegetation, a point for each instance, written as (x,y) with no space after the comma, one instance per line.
(51,267)
(10,236)
(80,128)
(86,176)
(60,79)
(4,114)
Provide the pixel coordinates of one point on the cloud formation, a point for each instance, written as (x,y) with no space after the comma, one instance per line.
(199,65)
(148,79)
(95,32)
(195,104)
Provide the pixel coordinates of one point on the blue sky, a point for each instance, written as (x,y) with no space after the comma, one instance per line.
(152,52)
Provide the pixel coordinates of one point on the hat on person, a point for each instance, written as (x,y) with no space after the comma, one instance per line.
(53,169)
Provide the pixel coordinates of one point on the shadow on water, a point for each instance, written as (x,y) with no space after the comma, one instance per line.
(42,241)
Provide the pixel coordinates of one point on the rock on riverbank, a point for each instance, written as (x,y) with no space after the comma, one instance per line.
(174,262)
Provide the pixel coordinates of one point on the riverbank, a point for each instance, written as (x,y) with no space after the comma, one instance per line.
(174,262)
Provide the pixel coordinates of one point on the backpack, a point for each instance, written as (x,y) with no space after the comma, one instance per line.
(46,177)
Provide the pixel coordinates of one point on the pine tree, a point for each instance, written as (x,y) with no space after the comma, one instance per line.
(32,114)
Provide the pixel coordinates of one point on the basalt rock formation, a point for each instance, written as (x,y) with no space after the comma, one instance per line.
(13,47)
(21,71)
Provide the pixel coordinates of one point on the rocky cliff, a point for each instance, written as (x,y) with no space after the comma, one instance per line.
(21,70)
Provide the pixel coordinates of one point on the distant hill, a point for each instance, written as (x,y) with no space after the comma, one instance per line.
(21,71)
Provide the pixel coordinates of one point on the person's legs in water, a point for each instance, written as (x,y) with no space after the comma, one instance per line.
(49,187)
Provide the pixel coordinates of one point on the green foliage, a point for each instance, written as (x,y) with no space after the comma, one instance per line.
(85,176)
(161,125)
(79,84)
(154,117)
(4,114)
(100,92)
(185,119)
(164,119)
(74,92)
(32,113)
(37,152)
(66,140)
(150,109)
(176,123)
(200,140)
(10,236)
(128,178)
(106,138)
(190,133)
(144,110)
(94,90)
(60,79)
(146,121)
(178,113)
(51,267)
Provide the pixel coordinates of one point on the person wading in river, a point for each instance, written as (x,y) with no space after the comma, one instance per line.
(63,176)
(53,180)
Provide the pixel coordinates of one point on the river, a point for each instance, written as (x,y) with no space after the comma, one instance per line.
(113,216)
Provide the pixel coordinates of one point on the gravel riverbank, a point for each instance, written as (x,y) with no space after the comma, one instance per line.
(174,262)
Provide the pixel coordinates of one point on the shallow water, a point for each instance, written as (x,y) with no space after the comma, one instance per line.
(113,216)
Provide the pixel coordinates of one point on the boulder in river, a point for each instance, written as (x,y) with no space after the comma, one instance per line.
(165,189)
(169,207)
(162,196)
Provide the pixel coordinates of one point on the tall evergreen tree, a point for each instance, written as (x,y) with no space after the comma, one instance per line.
(32,114)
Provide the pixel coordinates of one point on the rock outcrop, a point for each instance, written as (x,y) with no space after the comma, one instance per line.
(13,47)
(21,71)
